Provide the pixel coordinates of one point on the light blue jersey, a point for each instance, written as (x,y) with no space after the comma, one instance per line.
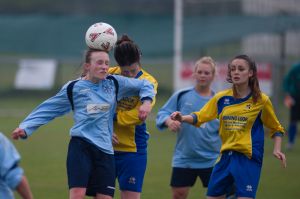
(94,108)
(195,147)
(10,173)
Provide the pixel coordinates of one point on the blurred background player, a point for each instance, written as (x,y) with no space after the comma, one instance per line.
(291,86)
(90,161)
(242,111)
(131,136)
(11,174)
(197,149)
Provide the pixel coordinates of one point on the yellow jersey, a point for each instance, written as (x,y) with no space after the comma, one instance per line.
(132,133)
(241,122)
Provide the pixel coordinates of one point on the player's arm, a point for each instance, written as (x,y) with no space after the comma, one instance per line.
(131,117)
(140,112)
(163,118)
(208,112)
(270,120)
(125,117)
(136,115)
(177,116)
(53,107)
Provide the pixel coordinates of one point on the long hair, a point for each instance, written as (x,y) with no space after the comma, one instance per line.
(253,81)
(126,52)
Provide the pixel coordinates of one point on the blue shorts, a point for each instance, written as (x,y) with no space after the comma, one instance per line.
(186,177)
(130,170)
(235,168)
(91,168)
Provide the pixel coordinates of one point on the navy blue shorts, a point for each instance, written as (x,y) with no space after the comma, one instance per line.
(186,177)
(89,167)
(235,168)
(130,170)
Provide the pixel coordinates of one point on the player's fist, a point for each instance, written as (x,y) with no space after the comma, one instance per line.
(173,125)
(144,110)
(176,116)
(18,133)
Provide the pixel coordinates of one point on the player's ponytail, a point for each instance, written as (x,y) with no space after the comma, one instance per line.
(126,52)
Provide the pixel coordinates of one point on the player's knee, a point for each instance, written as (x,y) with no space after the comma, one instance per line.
(180,193)
(77,193)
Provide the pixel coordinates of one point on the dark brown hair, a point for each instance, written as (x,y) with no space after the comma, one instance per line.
(126,52)
(253,81)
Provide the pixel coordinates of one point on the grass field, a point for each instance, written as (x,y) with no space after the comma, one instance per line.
(44,156)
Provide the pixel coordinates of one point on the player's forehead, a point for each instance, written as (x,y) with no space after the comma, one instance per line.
(204,67)
(239,63)
(100,55)
(133,66)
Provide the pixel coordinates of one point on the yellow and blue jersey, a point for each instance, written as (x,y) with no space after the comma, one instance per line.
(241,122)
(132,133)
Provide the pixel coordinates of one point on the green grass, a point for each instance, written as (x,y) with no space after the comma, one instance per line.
(44,157)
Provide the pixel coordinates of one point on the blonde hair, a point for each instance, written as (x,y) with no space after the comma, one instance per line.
(206,60)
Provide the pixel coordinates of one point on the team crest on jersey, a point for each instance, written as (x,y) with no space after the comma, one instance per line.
(248,107)
(107,87)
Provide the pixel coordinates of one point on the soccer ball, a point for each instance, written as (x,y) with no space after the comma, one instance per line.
(101,36)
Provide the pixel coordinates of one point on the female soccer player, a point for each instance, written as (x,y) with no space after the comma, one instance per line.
(131,136)
(242,111)
(90,161)
(197,149)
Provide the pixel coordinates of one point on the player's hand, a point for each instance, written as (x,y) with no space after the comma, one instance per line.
(145,109)
(18,133)
(115,139)
(177,116)
(279,155)
(173,125)
(289,101)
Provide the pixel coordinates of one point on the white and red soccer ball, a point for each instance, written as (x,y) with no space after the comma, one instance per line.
(101,36)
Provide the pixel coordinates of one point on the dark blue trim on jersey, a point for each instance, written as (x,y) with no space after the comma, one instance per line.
(180,94)
(70,93)
(230,100)
(277,134)
(195,119)
(146,98)
(141,137)
(140,73)
(116,84)
(257,138)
